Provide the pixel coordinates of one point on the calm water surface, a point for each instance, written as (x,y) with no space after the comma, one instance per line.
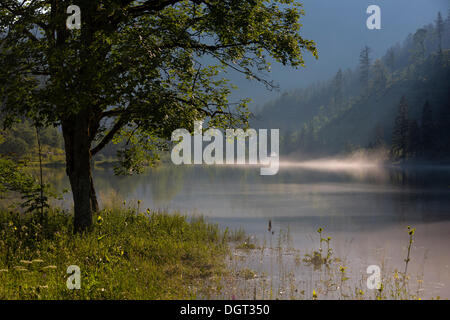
(365,209)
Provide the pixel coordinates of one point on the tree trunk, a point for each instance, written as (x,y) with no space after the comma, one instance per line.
(77,140)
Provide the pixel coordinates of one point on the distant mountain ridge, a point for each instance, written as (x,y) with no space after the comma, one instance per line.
(356,110)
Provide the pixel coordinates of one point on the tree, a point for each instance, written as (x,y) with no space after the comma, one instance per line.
(419,42)
(390,59)
(401,130)
(14,146)
(439,31)
(379,76)
(286,142)
(135,71)
(379,136)
(364,67)
(427,130)
(337,87)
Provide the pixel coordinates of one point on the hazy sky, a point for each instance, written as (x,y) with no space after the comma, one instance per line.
(339,29)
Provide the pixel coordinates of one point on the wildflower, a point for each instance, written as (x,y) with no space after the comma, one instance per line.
(396,277)
(314,294)
(148,211)
(361,293)
(342,269)
(99,220)
(320,230)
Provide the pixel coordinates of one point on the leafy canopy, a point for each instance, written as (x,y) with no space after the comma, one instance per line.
(140,69)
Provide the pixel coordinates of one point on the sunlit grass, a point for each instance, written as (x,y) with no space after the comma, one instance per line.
(126,256)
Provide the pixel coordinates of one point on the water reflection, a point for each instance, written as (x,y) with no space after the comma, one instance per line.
(364,208)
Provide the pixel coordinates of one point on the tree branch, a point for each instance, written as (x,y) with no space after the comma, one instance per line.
(106,139)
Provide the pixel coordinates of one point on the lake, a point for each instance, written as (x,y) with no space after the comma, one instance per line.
(365,208)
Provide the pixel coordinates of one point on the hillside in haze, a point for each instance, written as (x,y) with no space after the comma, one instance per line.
(361,107)
(339,30)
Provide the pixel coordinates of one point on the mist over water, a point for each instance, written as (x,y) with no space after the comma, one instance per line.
(348,164)
(362,204)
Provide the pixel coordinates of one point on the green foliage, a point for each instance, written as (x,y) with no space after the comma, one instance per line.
(19,141)
(127,256)
(136,71)
(141,69)
(14,178)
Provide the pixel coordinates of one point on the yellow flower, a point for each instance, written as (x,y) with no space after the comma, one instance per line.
(314,294)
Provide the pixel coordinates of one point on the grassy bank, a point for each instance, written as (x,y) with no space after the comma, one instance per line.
(126,256)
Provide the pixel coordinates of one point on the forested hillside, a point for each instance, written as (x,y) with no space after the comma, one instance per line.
(400,102)
(21,141)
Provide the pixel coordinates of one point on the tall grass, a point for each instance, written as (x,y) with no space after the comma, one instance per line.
(153,255)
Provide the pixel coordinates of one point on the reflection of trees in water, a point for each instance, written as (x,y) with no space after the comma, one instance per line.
(319,193)
(55,176)
(426,194)
(161,183)
(167,182)
(423,178)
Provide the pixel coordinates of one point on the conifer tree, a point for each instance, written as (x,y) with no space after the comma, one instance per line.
(401,131)
(364,67)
